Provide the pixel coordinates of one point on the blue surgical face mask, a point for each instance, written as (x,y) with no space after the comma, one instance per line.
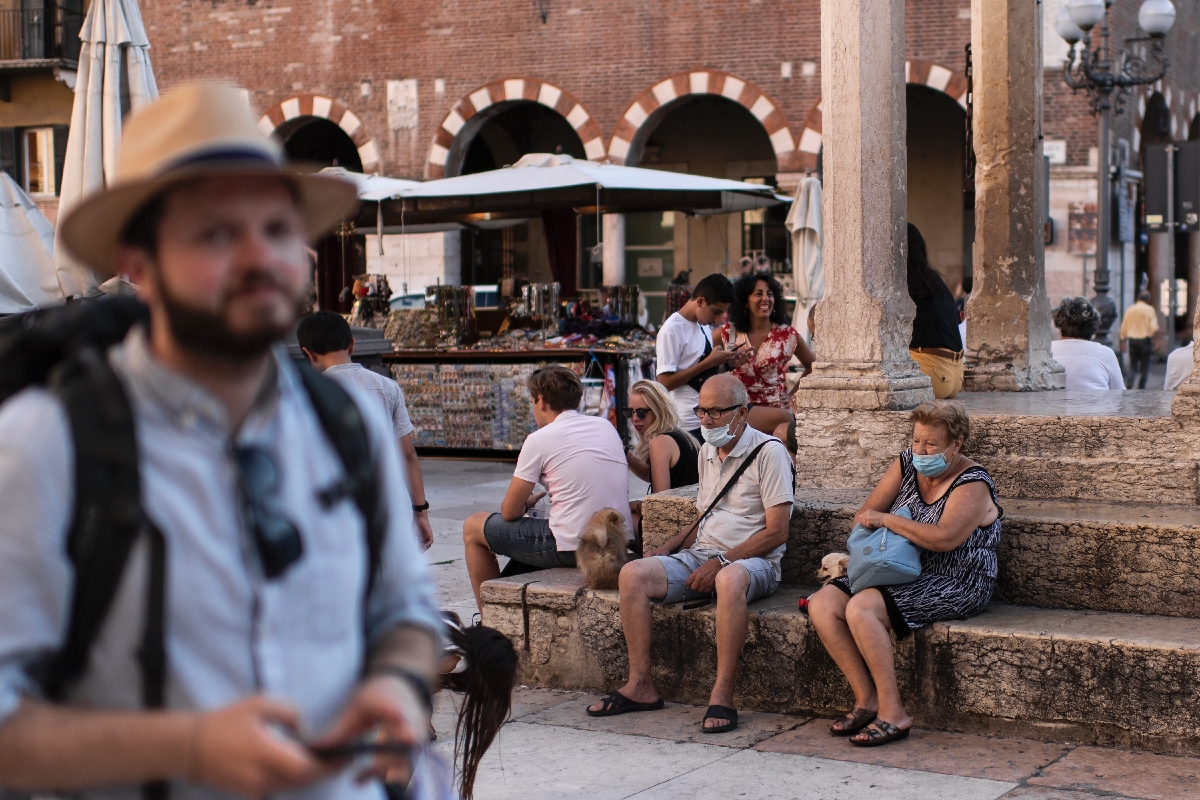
(930,466)
(718,437)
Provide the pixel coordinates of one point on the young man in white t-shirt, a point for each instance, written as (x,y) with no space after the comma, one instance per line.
(581,462)
(684,347)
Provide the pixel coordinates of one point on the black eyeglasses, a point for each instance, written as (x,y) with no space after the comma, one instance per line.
(629,412)
(276,538)
(712,413)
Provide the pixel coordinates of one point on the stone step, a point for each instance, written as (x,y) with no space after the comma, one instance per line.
(1081,676)
(1140,559)
(1149,459)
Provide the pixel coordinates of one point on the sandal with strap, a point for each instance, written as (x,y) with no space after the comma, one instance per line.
(723,713)
(853,722)
(617,703)
(883,733)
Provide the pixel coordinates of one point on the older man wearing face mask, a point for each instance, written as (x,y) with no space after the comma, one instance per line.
(747,485)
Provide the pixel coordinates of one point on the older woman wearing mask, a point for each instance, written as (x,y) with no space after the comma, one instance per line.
(759,325)
(956,521)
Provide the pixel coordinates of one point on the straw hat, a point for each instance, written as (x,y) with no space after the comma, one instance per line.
(200,130)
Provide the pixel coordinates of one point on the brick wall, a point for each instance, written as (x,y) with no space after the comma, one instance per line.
(605,54)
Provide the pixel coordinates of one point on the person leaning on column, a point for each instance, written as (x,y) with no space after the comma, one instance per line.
(936,345)
(271,647)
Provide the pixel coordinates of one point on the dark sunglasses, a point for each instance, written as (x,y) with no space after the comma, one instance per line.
(276,538)
(629,412)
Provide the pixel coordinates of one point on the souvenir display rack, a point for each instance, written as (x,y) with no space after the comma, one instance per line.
(476,402)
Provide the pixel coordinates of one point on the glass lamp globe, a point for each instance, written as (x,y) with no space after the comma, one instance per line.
(1086,13)
(1156,17)
(1067,29)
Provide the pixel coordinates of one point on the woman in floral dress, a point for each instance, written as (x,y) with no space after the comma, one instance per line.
(758,321)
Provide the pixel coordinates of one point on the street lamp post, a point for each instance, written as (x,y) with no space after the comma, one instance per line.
(1106,74)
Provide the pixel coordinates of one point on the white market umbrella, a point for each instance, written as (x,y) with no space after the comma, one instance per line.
(373,188)
(114,66)
(804,222)
(543,182)
(27,277)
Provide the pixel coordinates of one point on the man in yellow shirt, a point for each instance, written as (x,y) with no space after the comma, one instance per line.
(1137,332)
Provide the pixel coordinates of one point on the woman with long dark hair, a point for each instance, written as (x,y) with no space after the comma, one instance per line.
(936,345)
(759,323)
(481,665)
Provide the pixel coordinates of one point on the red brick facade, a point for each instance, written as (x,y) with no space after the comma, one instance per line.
(602,62)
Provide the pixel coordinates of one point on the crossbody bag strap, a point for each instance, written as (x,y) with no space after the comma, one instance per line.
(724,490)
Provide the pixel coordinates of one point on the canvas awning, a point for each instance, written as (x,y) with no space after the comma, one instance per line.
(542,182)
(27,277)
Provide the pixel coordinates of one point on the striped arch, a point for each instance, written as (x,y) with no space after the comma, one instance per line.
(708,81)
(1183,104)
(509,90)
(337,112)
(916,71)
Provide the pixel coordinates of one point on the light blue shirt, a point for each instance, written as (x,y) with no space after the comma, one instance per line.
(230,632)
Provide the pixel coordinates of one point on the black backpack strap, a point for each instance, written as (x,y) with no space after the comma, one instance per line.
(347,432)
(108,511)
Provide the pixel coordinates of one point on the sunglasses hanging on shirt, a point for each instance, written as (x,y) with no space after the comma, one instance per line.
(275,537)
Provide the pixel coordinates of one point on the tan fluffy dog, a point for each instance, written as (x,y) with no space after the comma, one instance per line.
(833,566)
(602,550)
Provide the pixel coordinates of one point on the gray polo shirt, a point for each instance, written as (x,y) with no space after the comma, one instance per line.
(385,390)
(742,512)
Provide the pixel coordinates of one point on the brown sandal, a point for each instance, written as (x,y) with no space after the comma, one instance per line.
(852,723)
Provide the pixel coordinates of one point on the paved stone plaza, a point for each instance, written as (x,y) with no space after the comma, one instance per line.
(551,749)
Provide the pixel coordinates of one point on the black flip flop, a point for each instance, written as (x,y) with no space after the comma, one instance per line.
(722,713)
(617,703)
(885,733)
(858,718)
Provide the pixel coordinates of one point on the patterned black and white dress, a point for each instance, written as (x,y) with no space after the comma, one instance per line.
(952,585)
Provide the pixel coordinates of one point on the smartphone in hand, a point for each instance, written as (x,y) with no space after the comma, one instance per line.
(358,748)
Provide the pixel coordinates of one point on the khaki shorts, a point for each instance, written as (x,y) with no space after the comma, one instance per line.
(945,374)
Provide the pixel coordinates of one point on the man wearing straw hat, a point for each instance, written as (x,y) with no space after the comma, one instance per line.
(279,659)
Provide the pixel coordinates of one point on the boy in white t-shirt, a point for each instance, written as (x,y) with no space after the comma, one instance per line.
(581,462)
(685,355)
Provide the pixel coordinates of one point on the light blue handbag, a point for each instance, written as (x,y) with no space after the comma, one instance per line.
(881,558)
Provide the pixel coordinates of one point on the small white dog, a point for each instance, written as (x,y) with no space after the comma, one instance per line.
(833,566)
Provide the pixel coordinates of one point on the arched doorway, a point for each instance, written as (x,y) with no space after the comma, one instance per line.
(341,255)
(937,204)
(318,141)
(702,134)
(494,138)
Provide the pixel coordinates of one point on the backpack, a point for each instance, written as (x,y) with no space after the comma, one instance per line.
(64,349)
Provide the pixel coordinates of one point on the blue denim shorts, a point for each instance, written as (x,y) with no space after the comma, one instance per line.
(527,540)
(681,565)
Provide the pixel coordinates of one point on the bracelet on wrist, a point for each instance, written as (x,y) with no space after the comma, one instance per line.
(423,507)
(419,684)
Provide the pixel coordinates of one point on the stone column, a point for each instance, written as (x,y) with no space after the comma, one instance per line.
(1008,314)
(614,249)
(864,323)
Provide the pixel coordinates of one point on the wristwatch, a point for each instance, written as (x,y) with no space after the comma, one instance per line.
(423,507)
(725,562)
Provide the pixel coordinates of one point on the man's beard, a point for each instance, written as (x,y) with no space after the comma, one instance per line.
(208,333)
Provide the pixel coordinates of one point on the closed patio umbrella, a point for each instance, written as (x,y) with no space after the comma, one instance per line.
(114,78)
(804,222)
(27,279)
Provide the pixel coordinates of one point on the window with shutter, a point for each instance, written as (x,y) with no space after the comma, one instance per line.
(10,161)
(60,155)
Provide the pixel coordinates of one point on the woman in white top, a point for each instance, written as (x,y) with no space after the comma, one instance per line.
(1090,365)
